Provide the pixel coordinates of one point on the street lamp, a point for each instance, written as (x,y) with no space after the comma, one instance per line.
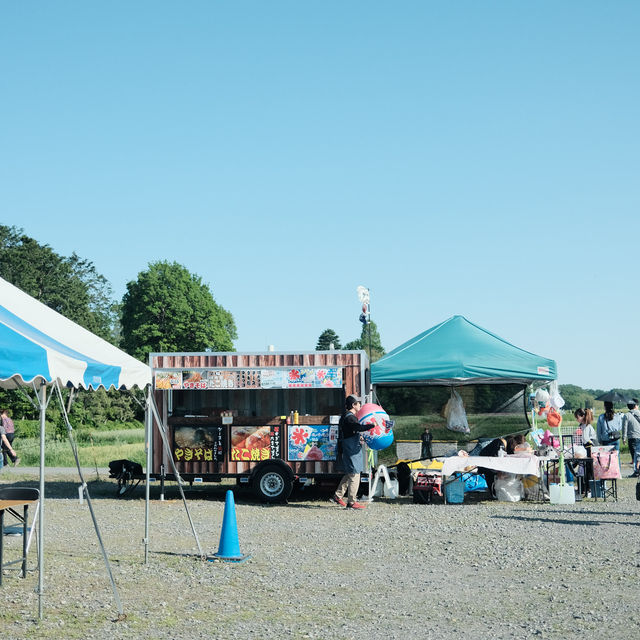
(365,316)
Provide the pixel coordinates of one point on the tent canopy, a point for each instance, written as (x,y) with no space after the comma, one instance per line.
(457,352)
(39,346)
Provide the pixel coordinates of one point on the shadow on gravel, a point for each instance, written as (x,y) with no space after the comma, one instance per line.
(174,554)
(65,489)
(104,488)
(596,522)
(589,512)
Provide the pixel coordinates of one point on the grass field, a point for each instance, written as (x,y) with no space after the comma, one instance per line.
(95,448)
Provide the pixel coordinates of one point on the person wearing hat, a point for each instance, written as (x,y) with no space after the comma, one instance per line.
(631,433)
(349,455)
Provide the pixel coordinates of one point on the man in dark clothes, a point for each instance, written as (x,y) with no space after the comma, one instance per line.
(491,451)
(426,444)
(349,456)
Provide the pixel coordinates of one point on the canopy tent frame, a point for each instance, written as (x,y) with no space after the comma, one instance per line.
(39,348)
(458,353)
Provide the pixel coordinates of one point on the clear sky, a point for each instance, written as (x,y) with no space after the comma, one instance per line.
(464,157)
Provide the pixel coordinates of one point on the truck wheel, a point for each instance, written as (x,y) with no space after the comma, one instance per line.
(272,484)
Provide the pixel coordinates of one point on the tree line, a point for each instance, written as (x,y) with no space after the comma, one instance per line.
(576,397)
(166,308)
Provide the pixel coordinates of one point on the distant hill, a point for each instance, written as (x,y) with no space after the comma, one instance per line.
(576,397)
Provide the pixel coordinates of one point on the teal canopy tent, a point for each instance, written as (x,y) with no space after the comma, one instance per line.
(458,352)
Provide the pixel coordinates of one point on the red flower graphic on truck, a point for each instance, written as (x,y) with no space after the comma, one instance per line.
(299,436)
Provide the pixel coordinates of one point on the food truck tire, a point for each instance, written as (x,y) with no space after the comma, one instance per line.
(273,483)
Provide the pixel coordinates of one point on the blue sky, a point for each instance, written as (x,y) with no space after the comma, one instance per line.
(474,158)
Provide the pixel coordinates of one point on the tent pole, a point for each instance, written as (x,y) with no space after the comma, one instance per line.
(148,427)
(167,449)
(85,489)
(42,399)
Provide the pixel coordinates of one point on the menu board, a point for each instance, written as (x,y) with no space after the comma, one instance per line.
(233,379)
(312,442)
(283,378)
(314,378)
(275,441)
(250,444)
(168,380)
(198,443)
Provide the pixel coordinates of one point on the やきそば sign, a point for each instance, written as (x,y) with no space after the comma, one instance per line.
(198,443)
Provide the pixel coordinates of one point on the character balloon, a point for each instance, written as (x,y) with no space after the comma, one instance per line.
(380,436)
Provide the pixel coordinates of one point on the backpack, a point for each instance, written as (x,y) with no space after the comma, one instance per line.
(124,469)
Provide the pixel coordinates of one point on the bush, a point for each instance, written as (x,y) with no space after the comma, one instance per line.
(31,429)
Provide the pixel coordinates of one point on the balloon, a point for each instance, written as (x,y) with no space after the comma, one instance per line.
(380,436)
(542,396)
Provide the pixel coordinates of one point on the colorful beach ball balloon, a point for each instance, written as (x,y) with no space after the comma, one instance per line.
(380,436)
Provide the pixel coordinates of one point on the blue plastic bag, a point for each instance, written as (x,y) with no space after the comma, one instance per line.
(474,482)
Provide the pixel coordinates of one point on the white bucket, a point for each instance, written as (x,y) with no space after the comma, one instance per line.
(562,494)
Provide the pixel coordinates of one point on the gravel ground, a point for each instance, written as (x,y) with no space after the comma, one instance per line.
(484,569)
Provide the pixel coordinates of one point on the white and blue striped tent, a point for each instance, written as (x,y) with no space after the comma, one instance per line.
(40,348)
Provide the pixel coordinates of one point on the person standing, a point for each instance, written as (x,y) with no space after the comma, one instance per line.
(426,438)
(350,455)
(589,439)
(585,418)
(609,428)
(631,433)
(7,433)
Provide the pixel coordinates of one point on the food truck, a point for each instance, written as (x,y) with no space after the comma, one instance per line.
(269,420)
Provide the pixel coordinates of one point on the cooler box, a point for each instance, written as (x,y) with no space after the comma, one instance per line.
(595,486)
(454,489)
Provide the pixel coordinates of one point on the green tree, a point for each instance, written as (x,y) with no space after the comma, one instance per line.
(96,408)
(327,338)
(169,309)
(71,286)
(575,397)
(371,343)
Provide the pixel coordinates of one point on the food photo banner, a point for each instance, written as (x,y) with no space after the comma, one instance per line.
(289,378)
(312,442)
(198,443)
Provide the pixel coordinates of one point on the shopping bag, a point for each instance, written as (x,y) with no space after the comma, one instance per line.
(605,465)
(455,413)
(508,488)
